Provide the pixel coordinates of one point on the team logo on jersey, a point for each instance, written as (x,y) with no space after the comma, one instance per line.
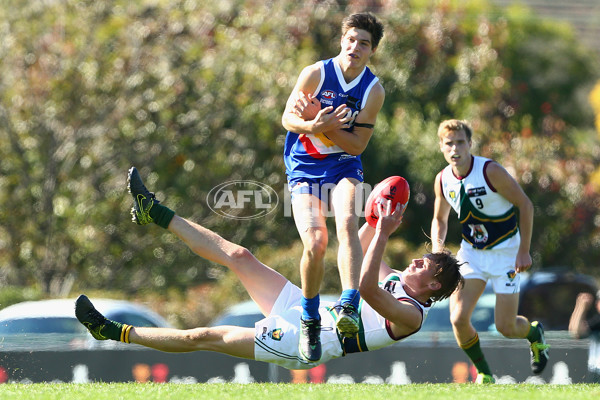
(276,334)
(475,192)
(452,195)
(353,102)
(390,285)
(345,157)
(479,233)
(511,275)
(328,94)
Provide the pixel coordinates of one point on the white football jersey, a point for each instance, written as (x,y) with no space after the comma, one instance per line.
(488,219)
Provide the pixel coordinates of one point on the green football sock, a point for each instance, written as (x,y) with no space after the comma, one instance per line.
(112,330)
(534,334)
(473,350)
(161,215)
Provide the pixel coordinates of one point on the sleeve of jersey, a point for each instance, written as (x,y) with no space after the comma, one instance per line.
(485,176)
(387,323)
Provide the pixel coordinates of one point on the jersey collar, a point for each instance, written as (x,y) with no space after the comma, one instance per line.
(340,76)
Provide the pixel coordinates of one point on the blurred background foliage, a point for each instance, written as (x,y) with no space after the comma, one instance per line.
(191,92)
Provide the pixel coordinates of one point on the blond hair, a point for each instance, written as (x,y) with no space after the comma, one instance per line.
(454,125)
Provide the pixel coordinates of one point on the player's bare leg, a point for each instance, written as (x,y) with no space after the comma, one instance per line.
(350,254)
(508,323)
(262,283)
(232,340)
(511,325)
(310,222)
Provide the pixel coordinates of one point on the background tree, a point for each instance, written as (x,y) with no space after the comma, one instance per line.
(192,93)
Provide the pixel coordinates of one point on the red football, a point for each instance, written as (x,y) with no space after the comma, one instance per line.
(394,188)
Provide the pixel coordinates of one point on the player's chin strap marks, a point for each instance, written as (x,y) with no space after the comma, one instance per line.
(125,333)
(370,126)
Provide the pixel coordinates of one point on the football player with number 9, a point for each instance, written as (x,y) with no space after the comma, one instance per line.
(497,222)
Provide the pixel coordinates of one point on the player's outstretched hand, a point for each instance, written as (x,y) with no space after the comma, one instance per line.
(389,220)
(584,300)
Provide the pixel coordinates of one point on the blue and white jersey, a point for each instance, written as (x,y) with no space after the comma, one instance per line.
(487,218)
(314,155)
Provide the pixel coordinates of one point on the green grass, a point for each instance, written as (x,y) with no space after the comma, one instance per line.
(269,391)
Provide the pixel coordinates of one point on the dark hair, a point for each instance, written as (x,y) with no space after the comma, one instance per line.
(367,22)
(448,274)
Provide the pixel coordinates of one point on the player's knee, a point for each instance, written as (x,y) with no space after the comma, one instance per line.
(197,338)
(346,226)
(459,319)
(346,237)
(506,329)
(315,252)
(315,248)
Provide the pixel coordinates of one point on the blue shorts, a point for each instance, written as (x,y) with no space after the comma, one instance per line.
(321,187)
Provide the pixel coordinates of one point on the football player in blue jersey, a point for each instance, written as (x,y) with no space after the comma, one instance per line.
(394,306)
(330,116)
(497,223)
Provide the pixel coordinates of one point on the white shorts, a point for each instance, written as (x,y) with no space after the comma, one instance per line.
(277,336)
(494,265)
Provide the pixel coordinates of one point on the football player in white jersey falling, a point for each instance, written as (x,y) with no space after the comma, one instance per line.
(330,116)
(390,311)
(494,247)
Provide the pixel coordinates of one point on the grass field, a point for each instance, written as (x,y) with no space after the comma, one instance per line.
(269,391)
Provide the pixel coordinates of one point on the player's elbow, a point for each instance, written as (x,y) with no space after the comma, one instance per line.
(414,324)
(355,149)
(367,289)
(285,122)
(527,206)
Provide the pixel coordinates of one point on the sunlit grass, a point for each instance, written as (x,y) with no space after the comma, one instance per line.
(146,391)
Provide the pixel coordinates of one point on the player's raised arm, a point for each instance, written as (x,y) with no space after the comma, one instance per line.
(405,317)
(366,234)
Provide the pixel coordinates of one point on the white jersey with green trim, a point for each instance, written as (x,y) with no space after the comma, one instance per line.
(277,335)
(488,219)
(376,329)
